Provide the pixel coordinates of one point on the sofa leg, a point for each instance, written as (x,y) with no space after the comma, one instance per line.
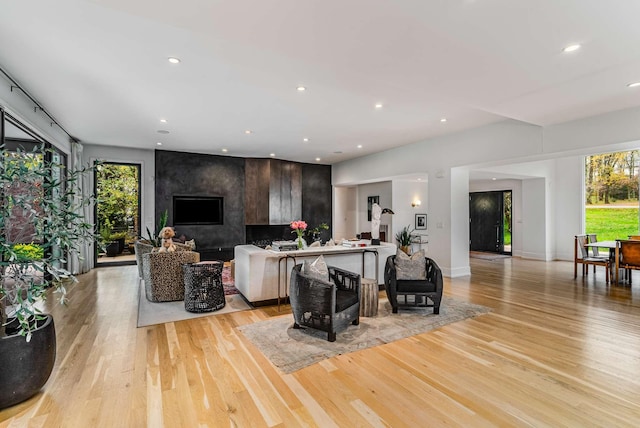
(436,310)
(356,321)
(394,310)
(295,325)
(331,336)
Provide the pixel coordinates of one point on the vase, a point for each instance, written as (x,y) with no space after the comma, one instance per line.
(405,248)
(300,246)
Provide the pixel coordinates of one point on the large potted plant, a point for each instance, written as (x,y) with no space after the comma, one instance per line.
(40,225)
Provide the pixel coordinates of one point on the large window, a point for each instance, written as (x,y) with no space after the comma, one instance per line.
(611,184)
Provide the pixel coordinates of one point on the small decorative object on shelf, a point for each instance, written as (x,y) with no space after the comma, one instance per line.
(316,231)
(299,226)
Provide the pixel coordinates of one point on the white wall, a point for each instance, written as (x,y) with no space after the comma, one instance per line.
(145,158)
(405,191)
(345,212)
(516,206)
(569,204)
(506,142)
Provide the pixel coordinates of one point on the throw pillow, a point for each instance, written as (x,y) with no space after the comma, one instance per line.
(413,267)
(317,269)
(191,243)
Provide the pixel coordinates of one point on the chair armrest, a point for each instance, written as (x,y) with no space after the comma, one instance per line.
(345,280)
(434,274)
(390,271)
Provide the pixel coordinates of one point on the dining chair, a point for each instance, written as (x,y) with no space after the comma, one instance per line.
(581,255)
(627,257)
(634,237)
(595,251)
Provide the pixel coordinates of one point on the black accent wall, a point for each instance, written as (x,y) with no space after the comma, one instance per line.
(192,174)
(317,196)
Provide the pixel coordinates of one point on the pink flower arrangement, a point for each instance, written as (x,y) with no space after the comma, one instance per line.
(298,226)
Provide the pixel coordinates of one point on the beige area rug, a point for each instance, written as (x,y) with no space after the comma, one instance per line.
(487,256)
(150,313)
(290,349)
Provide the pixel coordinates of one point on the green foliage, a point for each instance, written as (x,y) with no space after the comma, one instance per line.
(319,228)
(105,232)
(611,176)
(118,235)
(40,203)
(28,252)
(154,239)
(117,192)
(612,223)
(405,236)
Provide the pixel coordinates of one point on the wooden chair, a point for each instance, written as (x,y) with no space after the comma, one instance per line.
(581,255)
(634,237)
(627,257)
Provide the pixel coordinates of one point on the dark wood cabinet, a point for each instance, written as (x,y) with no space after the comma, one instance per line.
(273,191)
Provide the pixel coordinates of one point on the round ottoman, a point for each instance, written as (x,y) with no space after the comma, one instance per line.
(203,289)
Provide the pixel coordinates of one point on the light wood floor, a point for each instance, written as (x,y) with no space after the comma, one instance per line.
(554,352)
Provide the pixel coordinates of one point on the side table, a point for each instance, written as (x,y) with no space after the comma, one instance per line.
(203,289)
(368,297)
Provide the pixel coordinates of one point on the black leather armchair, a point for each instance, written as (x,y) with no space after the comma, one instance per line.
(422,290)
(325,305)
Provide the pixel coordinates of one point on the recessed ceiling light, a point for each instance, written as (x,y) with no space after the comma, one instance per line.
(224,150)
(494,179)
(338,152)
(301,88)
(443,120)
(158,143)
(305,140)
(162,131)
(571,48)
(359,146)
(317,159)
(379,105)
(633,85)
(248,131)
(173,60)
(272,154)
(163,120)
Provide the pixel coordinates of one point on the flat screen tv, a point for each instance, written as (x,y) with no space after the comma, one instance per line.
(198,210)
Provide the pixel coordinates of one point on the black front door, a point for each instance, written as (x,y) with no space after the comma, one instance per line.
(485,221)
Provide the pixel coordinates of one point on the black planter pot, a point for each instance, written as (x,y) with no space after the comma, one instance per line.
(120,242)
(112,249)
(26,366)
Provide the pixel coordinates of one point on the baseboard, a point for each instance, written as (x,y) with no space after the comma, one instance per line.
(456,272)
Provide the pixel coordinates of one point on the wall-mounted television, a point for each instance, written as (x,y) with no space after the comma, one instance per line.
(198,210)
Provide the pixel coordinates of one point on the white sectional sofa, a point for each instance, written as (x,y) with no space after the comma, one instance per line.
(256,269)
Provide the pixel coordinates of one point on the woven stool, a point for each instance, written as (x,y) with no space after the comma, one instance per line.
(368,297)
(203,289)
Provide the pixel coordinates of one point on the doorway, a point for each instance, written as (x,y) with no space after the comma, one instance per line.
(117,212)
(490,221)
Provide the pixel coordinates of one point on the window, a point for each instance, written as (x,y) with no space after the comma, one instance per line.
(611,185)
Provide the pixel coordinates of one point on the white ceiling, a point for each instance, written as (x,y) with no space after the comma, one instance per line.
(100,68)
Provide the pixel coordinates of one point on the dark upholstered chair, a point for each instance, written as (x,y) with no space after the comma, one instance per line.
(422,290)
(325,305)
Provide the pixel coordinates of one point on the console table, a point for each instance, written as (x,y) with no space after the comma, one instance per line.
(259,272)
(300,254)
